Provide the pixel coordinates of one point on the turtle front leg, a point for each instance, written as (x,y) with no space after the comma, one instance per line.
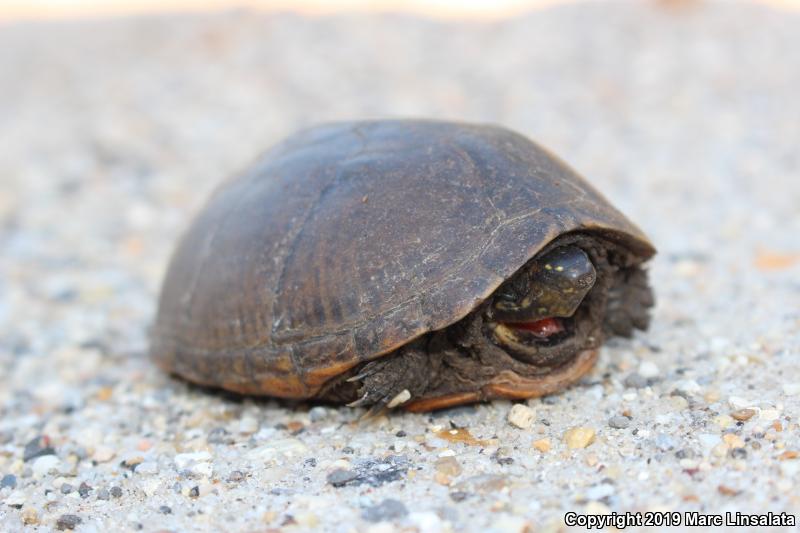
(629,301)
(395,379)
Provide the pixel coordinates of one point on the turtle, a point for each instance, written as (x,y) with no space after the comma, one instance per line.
(405,263)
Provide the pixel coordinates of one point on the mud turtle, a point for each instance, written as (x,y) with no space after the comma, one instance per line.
(421,263)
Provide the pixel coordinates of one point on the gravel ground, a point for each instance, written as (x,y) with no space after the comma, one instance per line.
(112,132)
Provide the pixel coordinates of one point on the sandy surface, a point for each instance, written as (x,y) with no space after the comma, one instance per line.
(113,132)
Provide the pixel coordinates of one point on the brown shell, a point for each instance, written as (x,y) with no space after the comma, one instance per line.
(349,240)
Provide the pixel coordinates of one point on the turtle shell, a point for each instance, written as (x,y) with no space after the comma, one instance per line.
(348,240)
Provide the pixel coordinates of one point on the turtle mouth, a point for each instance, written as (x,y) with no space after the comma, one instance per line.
(547,331)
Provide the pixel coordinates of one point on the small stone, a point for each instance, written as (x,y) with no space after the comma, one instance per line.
(723,421)
(788,454)
(743,415)
(316,414)
(648,369)
(116,492)
(103,454)
(738,453)
(248,425)
(727,491)
(194,492)
(448,466)
(738,402)
(16,499)
(619,422)
(165,509)
(733,441)
(66,488)
(635,381)
(68,522)
(442,479)
(236,476)
(218,436)
(84,489)
(37,447)
(459,496)
(103,494)
(388,510)
(482,484)
(543,445)
(579,437)
(42,465)
(29,516)
(196,463)
(340,477)
(8,481)
(147,468)
(521,416)
(791,389)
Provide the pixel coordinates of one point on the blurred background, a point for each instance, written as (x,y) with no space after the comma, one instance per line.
(117,119)
(15,9)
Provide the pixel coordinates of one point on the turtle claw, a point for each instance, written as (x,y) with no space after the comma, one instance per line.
(366,372)
(389,383)
(364,400)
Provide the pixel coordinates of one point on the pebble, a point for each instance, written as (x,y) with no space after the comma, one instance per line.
(521,416)
(66,488)
(481,484)
(317,414)
(42,465)
(579,437)
(341,477)
(236,476)
(165,509)
(68,522)
(116,492)
(739,403)
(248,425)
(103,454)
(8,481)
(84,490)
(30,516)
(648,369)
(743,415)
(543,445)
(733,441)
(147,468)
(635,381)
(103,494)
(389,509)
(16,499)
(619,422)
(37,447)
(448,466)
(195,463)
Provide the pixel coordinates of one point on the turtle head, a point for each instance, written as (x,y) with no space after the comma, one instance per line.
(536,308)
